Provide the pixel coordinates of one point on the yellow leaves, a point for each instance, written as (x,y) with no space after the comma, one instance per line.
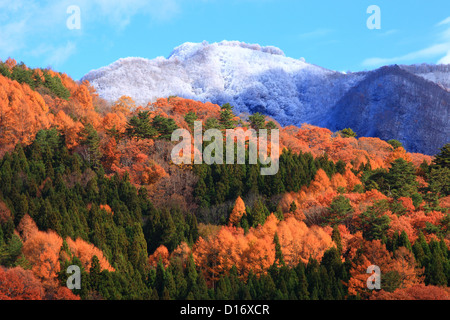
(359,151)
(358,281)
(106,208)
(338,181)
(5,213)
(38,74)
(20,284)
(111,157)
(268,229)
(351,179)
(83,97)
(407,269)
(123,106)
(27,227)
(402,263)
(182,252)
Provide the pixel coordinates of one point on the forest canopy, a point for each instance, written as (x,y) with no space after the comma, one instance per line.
(90,183)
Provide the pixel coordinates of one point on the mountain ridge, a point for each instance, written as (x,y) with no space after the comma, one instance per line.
(374,112)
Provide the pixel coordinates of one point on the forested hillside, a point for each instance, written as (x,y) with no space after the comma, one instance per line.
(91,183)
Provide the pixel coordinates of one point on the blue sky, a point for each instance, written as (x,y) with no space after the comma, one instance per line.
(329,33)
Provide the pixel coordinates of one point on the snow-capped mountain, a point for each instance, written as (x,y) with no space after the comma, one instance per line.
(263,79)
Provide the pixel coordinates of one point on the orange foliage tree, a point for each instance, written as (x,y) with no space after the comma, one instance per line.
(20,284)
(237,213)
(85,252)
(400,266)
(23,113)
(416,292)
(42,251)
(161,253)
(255,250)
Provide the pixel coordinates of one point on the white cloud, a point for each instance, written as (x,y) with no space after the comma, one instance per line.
(315,34)
(446,59)
(389,32)
(443,22)
(119,13)
(433,51)
(438,50)
(39,27)
(11,37)
(58,55)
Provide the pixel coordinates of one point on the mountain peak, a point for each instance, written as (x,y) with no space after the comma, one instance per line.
(202,71)
(188,49)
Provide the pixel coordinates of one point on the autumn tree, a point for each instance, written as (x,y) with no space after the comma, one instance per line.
(42,251)
(86,252)
(237,213)
(124,105)
(417,292)
(20,284)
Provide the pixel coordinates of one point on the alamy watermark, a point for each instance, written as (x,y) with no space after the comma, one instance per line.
(374,280)
(73,22)
(374,21)
(214,152)
(74,281)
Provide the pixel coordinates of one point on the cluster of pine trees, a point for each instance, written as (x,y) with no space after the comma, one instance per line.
(219,183)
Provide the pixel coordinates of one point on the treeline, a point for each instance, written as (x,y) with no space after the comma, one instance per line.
(37,79)
(182,280)
(326,280)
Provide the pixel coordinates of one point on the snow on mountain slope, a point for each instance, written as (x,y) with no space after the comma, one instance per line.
(262,79)
(439,74)
(251,77)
